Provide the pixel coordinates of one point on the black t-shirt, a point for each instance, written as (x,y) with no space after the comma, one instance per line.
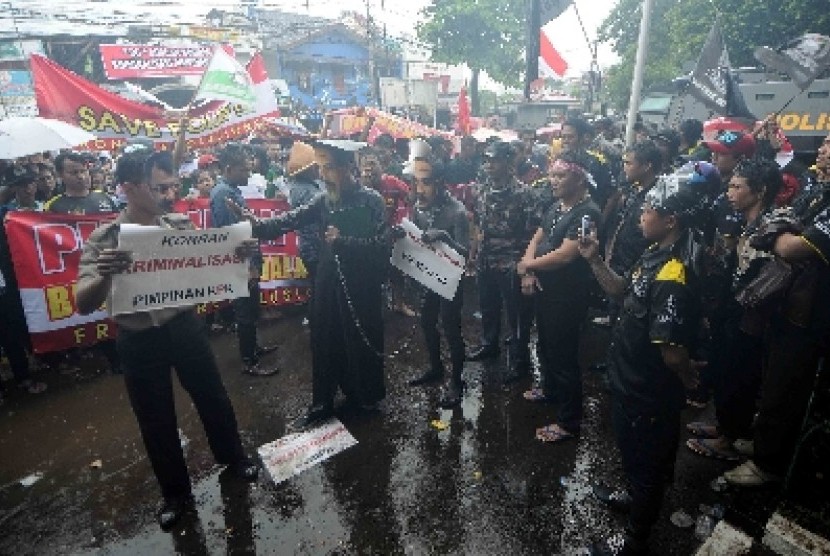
(660,307)
(574,277)
(93,203)
(626,242)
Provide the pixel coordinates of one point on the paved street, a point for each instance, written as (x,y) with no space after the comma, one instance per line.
(482,486)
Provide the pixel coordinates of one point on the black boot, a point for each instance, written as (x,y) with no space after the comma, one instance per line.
(172,510)
(427,377)
(316,415)
(452,394)
(483,352)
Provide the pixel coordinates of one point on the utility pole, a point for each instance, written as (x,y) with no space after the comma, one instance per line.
(532,60)
(639,68)
(373,54)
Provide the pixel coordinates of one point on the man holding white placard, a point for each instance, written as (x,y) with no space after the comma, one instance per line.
(149,343)
(443,219)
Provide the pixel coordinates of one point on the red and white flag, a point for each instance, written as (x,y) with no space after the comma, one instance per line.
(551,63)
(266,101)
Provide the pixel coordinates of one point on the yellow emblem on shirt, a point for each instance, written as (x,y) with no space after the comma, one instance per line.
(672,271)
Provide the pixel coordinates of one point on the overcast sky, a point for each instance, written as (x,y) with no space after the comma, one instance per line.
(400,17)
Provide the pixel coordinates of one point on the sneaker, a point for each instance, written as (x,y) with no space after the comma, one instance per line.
(749,474)
(257,369)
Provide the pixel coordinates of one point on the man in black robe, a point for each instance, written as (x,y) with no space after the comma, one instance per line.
(346,318)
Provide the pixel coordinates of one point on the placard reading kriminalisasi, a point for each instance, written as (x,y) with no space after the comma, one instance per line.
(437,266)
(171,268)
(294,453)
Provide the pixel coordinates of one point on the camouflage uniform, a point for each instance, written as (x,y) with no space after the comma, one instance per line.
(507,217)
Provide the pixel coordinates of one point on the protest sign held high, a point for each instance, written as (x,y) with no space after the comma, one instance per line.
(171,268)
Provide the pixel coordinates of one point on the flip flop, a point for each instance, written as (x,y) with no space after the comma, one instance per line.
(535,395)
(553,433)
(703,430)
(705,447)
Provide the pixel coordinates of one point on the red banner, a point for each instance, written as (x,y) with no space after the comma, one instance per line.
(284,277)
(65,96)
(352,120)
(46,249)
(131,61)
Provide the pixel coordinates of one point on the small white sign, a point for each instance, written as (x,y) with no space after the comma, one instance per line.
(437,267)
(294,453)
(172,268)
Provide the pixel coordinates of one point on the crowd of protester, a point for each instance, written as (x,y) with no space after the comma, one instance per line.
(708,260)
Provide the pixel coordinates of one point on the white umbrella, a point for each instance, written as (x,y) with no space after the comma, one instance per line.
(22,136)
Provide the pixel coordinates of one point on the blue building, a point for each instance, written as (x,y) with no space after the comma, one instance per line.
(327,64)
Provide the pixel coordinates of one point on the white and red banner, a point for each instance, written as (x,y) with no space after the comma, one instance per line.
(46,249)
(63,95)
(294,453)
(551,63)
(437,266)
(141,61)
(175,268)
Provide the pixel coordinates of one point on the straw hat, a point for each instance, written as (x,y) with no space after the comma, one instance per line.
(300,158)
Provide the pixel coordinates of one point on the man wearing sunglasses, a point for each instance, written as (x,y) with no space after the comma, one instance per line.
(151,342)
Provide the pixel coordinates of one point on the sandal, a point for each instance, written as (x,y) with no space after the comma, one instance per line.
(706,447)
(703,430)
(535,395)
(553,433)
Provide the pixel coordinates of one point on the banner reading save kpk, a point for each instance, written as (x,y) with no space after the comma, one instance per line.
(46,249)
(66,96)
(175,268)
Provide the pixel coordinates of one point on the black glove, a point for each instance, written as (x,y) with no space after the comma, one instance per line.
(433,235)
(397,233)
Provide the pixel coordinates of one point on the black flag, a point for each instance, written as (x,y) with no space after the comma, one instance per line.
(712,81)
(803,59)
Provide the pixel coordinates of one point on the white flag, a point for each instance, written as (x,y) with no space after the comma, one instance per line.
(226,79)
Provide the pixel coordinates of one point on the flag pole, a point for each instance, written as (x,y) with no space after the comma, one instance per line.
(532,54)
(639,67)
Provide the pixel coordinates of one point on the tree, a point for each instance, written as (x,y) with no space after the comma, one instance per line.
(487,35)
(679,28)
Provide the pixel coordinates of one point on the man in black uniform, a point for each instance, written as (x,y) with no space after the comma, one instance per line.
(150,343)
(505,215)
(443,219)
(649,359)
(799,337)
(576,137)
(346,308)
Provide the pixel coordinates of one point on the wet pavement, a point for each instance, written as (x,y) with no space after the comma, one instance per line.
(482,486)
